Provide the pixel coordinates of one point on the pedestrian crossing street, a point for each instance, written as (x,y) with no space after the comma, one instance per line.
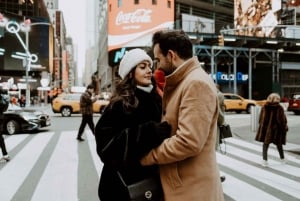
(247,180)
(53,166)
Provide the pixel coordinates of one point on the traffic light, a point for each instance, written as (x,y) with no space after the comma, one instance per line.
(220,40)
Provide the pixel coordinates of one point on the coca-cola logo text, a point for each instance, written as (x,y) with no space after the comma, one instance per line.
(138,16)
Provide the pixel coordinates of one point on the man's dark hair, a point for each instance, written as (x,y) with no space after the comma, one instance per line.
(90,86)
(175,40)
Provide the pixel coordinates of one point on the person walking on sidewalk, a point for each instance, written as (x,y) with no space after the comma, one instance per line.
(187,160)
(272,127)
(86,109)
(4,101)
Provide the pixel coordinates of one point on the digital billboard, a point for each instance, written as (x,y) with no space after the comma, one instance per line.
(38,44)
(256,18)
(191,23)
(132,24)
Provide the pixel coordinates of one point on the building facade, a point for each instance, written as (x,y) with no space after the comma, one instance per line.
(44,39)
(252,55)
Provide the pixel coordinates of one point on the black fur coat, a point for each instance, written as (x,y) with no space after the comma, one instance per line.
(272,125)
(122,139)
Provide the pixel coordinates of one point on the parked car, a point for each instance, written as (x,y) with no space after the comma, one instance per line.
(294,103)
(68,104)
(237,103)
(17,119)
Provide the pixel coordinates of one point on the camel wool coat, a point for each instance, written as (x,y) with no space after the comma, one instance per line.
(187,160)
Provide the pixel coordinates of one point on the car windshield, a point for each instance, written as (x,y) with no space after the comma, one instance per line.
(13,107)
(296,96)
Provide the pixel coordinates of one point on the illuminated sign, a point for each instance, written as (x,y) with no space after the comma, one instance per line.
(115,56)
(131,25)
(224,77)
(119,55)
(256,18)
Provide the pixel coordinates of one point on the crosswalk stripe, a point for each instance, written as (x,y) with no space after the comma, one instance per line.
(92,145)
(24,161)
(246,191)
(59,181)
(274,164)
(255,146)
(60,175)
(277,181)
(12,141)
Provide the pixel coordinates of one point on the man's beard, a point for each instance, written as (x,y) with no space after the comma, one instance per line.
(169,68)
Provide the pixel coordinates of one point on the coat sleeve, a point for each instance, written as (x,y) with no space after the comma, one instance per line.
(195,126)
(282,120)
(221,109)
(120,143)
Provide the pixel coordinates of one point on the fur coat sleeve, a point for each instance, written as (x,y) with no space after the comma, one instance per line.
(124,138)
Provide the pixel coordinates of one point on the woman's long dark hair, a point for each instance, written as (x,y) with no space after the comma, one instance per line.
(125,92)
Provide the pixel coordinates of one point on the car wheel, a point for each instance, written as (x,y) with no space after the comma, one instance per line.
(296,112)
(248,110)
(12,127)
(66,111)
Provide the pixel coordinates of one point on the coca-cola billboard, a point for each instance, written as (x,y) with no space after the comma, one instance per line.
(131,25)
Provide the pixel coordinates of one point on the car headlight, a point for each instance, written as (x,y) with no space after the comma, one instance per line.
(29,117)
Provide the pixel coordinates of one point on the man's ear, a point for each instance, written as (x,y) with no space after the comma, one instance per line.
(173,55)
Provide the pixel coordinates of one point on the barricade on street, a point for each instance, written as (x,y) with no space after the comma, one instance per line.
(255,112)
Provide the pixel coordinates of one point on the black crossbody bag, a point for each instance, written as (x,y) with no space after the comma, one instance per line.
(147,189)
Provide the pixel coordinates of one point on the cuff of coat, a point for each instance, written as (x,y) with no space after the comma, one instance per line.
(147,159)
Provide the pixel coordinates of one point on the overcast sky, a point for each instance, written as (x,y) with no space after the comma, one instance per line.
(74,13)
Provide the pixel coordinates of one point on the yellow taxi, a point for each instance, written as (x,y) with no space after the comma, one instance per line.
(68,104)
(237,103)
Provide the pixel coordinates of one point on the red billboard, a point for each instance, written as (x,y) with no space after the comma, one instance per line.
(132,24)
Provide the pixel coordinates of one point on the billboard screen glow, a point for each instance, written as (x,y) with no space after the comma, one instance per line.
(132,24)
(256,18)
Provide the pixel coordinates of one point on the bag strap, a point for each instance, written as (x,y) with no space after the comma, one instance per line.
(223,151)
(121,178)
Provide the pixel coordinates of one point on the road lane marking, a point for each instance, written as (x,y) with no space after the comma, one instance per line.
(23,162)
(59,181)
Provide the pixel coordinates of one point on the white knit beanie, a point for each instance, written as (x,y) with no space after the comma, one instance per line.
(131,59)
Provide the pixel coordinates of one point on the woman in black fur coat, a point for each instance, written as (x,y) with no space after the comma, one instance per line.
(129,127)
(272,127)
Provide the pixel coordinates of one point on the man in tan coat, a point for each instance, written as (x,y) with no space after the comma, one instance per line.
(187,159)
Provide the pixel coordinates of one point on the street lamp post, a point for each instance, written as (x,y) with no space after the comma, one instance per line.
(27,24)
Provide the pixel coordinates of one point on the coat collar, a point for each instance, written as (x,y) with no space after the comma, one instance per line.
(182,71)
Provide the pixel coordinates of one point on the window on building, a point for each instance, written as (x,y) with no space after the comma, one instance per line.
(169,4)
(119,3)
(154,2)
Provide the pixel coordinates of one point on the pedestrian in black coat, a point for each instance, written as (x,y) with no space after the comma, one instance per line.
(272,127)
(129,127)
(3,107)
